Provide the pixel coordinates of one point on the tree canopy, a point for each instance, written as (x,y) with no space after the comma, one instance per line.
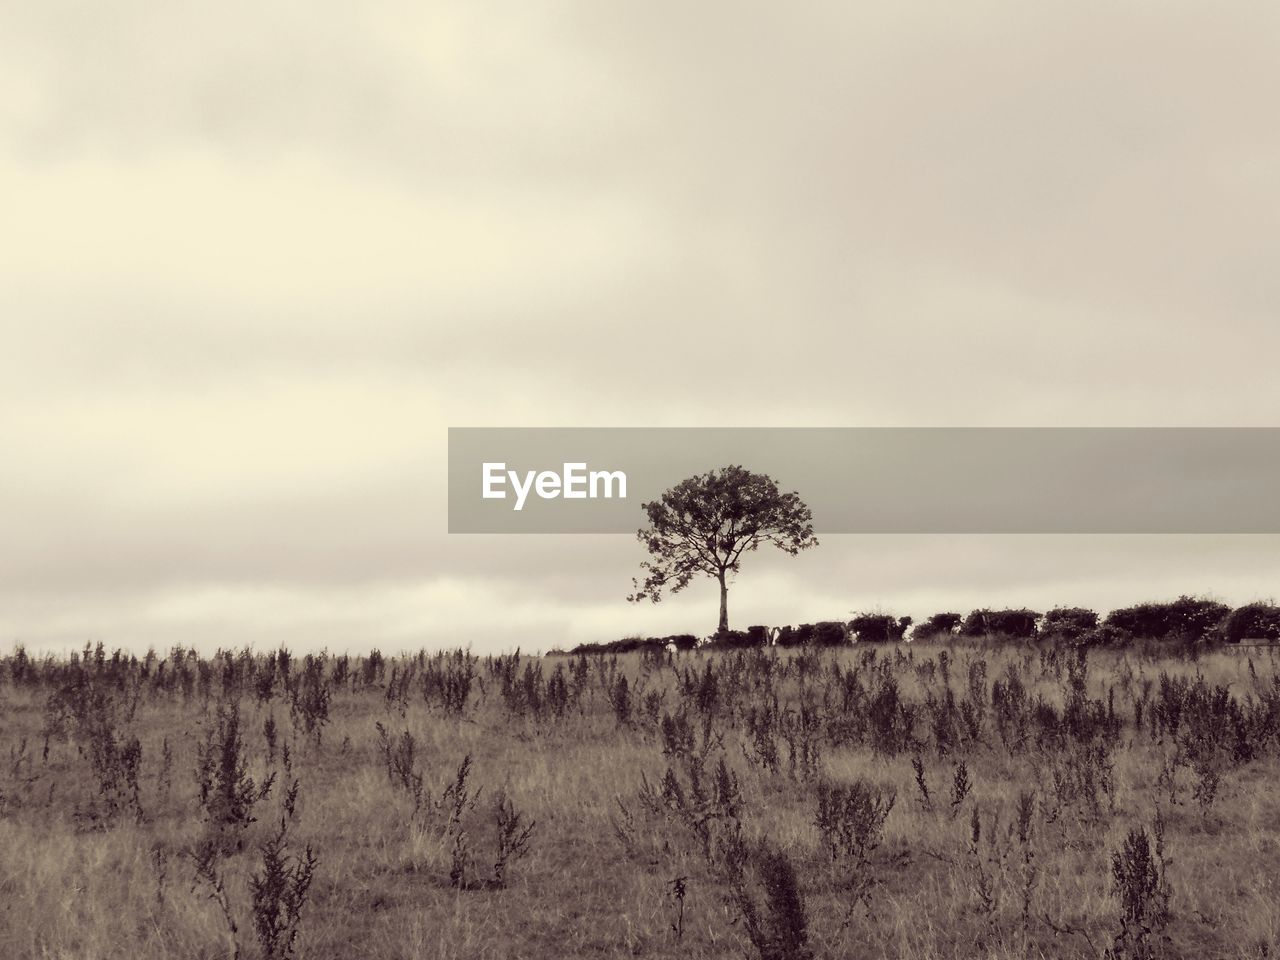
(704,525)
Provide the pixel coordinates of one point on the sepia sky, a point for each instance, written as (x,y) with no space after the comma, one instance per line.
(256,258)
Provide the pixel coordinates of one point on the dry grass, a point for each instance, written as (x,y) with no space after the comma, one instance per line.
(586,798)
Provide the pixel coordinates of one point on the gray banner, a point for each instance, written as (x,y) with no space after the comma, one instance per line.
(880,480)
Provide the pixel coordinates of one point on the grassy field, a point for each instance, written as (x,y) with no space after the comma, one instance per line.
(897,801)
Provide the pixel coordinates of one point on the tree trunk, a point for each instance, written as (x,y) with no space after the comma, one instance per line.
(724,606)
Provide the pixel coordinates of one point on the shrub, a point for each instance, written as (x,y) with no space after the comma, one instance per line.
(826,633)
(878,628)
(802,733)
(398,758)
(116,763)
(1139,873)
(587,648)
(709,805)
(890,719)
(1253,620)
(372,668)
(850,817)
(514,834)
(829,633)
(278,894)
(447,680)
(683,641)
(620,700)
(115,757)
(1187,618)
(227,793)
(762,726)
(1105,636)
(938,625)
(733,640)
(309,704)
(1068,623)
(631,645)
(1011,623)
(779,930)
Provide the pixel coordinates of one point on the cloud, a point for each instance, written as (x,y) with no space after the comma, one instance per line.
(258,257)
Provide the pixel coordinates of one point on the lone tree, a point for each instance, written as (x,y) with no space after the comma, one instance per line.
(705,524)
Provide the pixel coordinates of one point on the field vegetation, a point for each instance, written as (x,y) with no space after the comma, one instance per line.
(960,796)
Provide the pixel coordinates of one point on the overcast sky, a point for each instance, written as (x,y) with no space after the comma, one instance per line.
(255,258)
